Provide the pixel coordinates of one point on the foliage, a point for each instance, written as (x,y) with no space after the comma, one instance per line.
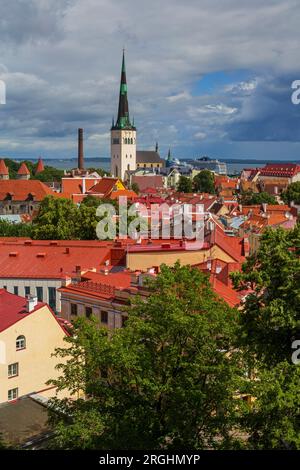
(204,182)
(165,380)
(270,323)
(57,220)
(135,188)
(251,198)
(292,193)
(184,185)
(9,229)
(49,174)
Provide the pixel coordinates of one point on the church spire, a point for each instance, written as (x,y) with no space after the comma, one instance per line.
(123,120)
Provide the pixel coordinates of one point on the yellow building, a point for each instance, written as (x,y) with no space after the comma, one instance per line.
(29,334)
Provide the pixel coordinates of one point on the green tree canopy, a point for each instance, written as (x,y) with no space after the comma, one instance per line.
(292,193)
(165,380)
(8,229)
(270,323)
(204,182)
(249,198)
(57,220)
(185,185)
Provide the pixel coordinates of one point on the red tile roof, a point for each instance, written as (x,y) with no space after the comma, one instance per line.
(13,309)
(21,189)
(75,185)
(40,167)
(3,168)
(105,186)
(280,169)
(123,192)
(98,285)
(50,259)
(23,170)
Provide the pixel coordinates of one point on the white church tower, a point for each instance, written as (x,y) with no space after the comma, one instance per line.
(123,135)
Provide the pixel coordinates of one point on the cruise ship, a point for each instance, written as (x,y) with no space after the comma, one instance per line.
(206,163)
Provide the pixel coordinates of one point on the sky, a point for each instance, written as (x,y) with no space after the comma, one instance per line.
(205,77)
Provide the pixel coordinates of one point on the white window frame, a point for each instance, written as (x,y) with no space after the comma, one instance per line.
(18,348)
(13,394)
(13,370)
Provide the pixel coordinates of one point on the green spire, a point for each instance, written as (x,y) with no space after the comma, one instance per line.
(169,155)
(123,120)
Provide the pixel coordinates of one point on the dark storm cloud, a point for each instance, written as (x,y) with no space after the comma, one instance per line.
(60,61)
(267,113)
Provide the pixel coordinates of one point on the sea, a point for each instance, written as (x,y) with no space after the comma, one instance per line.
(234,167)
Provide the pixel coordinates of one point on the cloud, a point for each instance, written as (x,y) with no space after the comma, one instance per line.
(61,65)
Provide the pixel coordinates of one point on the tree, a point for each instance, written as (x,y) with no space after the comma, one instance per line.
(204,182)
(292,193)
(250,198)
(8,229)
(49,174)
(165,380)
(135,188)
(270,324)
(184,185)
(57,220)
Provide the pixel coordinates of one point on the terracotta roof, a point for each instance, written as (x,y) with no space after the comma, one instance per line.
(3,168)
(75,185)
(40,166)
(280,169)
(99,285)
(13,309)
(23,170)
(104,186)
(21,189)
(123,192)
(50,259)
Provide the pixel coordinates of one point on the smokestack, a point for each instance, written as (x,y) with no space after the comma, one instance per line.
(80,150)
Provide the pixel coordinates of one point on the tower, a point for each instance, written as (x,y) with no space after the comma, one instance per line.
(123,134)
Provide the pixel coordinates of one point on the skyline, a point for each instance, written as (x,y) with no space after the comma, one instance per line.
(221,89)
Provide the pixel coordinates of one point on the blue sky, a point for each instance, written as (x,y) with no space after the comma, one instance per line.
(205,77)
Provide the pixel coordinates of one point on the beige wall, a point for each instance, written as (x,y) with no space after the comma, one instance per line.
(113,310)
(36,366)
(123,155)
(144,260)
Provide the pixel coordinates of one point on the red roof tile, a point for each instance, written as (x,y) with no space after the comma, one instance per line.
(50,259)
(21,189)
(23,170)
(3,168)
(40,167)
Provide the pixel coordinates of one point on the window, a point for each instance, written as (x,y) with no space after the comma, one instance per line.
(88,312)
(13,394)
(20,342)
(16,290)
(27,290)
(5,287)
(124,318)
(104,316)
(52,297)
(13,370)
(39,294)
(74,309)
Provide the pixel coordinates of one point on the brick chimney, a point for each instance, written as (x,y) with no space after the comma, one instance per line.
(80,150)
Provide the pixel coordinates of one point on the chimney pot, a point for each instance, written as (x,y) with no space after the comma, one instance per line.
(31,303)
